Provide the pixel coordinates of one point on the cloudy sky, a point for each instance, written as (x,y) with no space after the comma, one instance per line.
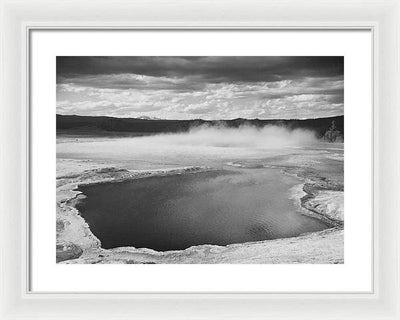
(201,87)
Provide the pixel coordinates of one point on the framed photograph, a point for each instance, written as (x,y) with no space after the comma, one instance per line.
(188,160)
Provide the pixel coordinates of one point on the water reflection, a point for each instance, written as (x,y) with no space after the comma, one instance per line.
(176,212)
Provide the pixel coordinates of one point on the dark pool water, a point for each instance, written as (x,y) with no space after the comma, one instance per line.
(176,212)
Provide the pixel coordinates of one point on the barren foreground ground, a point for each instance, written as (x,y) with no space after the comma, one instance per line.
(320,196)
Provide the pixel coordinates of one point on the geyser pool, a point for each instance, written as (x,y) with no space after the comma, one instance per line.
(175,212)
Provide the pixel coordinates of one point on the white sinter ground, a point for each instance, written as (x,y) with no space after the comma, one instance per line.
(318,165)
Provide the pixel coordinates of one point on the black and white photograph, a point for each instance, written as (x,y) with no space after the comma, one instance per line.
(200,160)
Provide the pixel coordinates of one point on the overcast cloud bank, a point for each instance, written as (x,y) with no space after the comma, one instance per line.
(201,87)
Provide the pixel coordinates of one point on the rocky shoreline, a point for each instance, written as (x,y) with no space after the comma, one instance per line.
(77,244)
(323,199)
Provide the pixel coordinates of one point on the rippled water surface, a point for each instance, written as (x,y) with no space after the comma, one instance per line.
(176,212)
(252,200)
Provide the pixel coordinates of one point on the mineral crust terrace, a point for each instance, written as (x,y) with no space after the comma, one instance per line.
(77,244)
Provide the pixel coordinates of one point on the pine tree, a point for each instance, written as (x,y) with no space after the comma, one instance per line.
(331,133)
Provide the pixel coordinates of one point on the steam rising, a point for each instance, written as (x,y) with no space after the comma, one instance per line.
(242,137)
(200,146)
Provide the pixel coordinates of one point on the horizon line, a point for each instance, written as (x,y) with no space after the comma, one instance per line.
(155,119)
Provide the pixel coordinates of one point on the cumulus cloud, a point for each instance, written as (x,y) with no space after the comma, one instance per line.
(201,87)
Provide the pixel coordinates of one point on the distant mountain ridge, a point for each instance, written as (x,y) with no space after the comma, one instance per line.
(92,124)
(148,118)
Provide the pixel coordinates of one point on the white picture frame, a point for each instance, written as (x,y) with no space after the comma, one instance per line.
(20,17)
